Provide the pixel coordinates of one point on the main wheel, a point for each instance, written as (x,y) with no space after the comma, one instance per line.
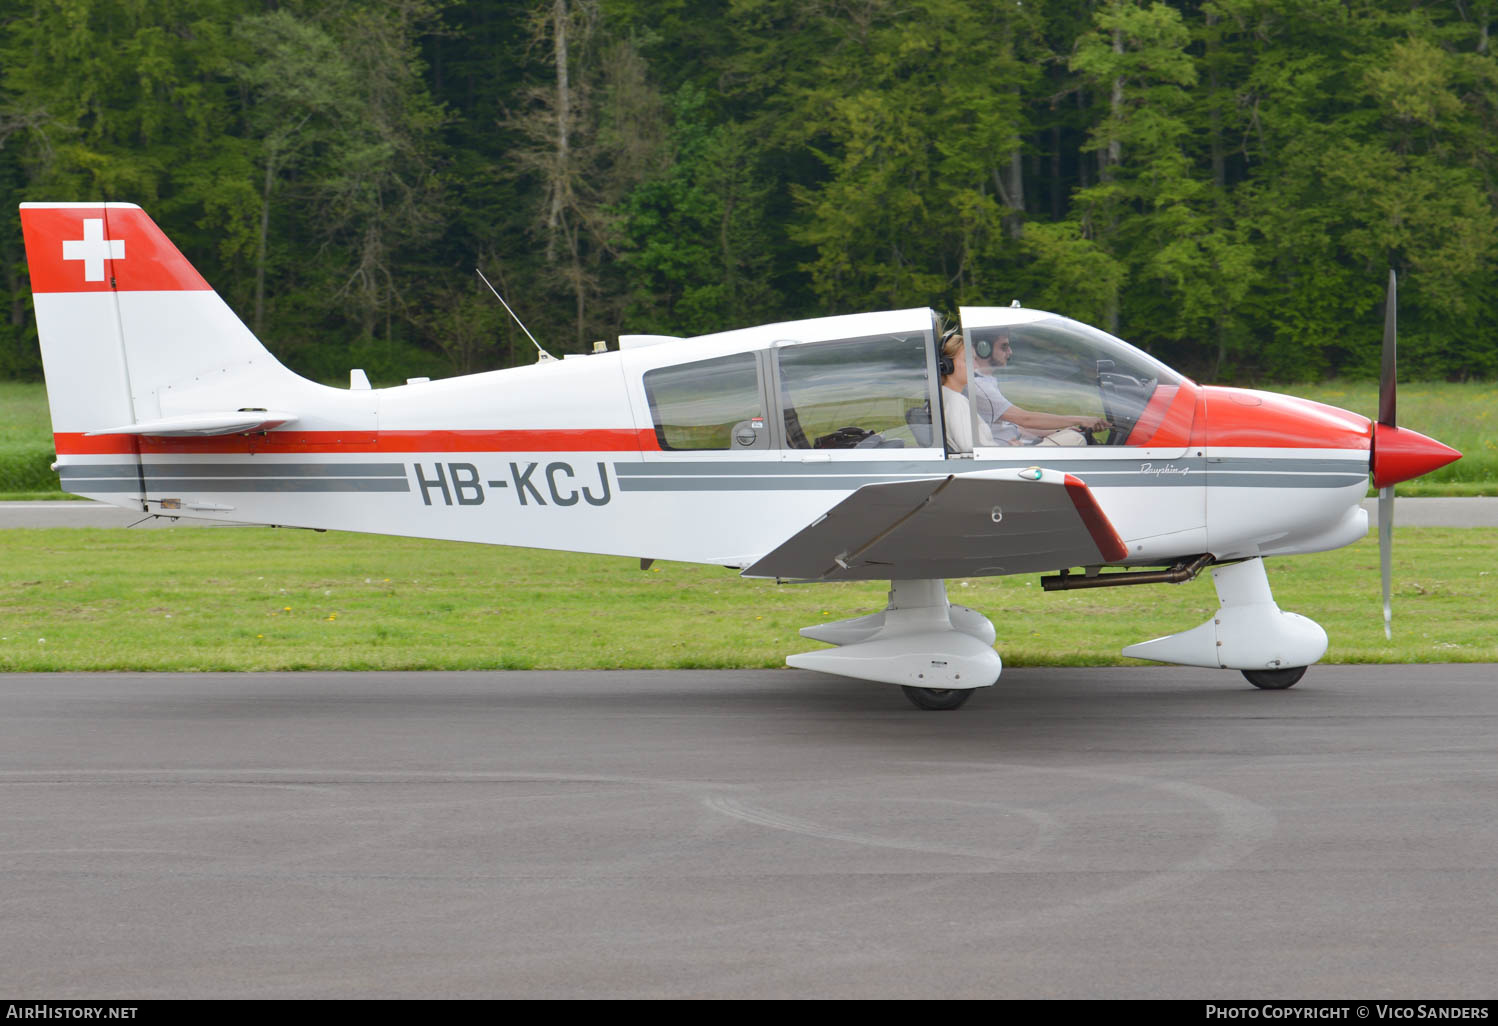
(936,699)
(1275,680)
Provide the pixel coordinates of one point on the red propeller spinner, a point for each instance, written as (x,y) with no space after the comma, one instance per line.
(1400,454)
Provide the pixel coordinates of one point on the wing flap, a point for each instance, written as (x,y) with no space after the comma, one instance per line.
(981,524)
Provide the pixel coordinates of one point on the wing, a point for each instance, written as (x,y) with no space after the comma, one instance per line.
(981,524)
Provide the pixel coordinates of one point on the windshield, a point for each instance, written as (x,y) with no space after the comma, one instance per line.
(1029,373)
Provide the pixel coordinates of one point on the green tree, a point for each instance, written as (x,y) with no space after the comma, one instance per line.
(914,114)
(694,241)
(1153,209)
(300,88)
(1372,150)
(113,101)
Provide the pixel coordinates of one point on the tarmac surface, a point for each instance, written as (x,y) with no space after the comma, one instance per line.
(1408,512)
(1141,832)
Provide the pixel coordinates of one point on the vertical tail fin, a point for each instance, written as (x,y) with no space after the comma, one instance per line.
(131,336)
(122,316)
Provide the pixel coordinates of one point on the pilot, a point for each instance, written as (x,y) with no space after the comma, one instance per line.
(956,414)
(1012,425)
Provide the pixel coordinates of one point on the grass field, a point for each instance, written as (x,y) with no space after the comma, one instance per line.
(263,599)
(26,452)
(1464,416)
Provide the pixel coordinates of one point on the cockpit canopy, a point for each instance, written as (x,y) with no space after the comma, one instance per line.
(1051,364)
(872,382)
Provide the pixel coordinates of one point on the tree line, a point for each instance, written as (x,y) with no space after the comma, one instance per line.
(1224,183)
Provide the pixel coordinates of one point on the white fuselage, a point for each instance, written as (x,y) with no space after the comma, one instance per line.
(563,455)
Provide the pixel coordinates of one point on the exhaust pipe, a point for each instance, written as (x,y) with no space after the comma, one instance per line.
(1178,574)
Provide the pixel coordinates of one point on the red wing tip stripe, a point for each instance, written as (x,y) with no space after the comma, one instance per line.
(1103,535)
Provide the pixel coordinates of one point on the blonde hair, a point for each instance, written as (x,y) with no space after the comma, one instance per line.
(952,348)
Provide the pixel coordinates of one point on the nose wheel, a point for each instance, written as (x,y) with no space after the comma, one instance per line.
(1273,680)
(937,699)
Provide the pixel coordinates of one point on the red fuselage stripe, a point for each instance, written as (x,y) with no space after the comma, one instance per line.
(587,440)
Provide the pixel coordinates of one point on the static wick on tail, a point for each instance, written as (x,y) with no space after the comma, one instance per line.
(545,356)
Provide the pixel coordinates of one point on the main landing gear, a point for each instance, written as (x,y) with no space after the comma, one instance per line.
(936,651)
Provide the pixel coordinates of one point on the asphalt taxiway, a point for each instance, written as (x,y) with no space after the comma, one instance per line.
(1142,832)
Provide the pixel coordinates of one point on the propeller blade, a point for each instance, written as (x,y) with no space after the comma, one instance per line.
(1386,552)
(1386,376)
(1386,417)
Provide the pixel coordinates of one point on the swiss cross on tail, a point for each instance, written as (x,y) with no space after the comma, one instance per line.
(93,249)
(98,247)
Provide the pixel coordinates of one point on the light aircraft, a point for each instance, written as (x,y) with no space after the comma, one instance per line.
(809,451)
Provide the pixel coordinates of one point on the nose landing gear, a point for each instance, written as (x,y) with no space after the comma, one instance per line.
(1248,633)
(1275,680)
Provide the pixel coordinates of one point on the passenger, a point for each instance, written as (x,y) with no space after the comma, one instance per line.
(1012,425)
(956,414)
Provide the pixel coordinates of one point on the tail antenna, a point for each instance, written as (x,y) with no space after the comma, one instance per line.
(545,356)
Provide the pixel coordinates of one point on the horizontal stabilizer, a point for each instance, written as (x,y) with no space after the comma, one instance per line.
(236,422)
(981,524)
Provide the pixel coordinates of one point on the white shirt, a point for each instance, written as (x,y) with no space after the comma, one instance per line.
(957,420)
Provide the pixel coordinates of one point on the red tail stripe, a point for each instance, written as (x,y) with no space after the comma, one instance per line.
(586,440)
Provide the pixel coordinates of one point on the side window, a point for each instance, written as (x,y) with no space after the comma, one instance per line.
(865,393)
(712,404)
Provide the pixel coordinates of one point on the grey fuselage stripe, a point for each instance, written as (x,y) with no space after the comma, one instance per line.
(257,476)
(1216,479)
(758,475)
(208,484)
(237,470)
(1292,464)
(704,484)
(1131,472)
(781,468)
(928,468)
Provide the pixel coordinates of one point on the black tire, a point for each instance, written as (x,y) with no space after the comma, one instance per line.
(1275,680)
(937,699)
